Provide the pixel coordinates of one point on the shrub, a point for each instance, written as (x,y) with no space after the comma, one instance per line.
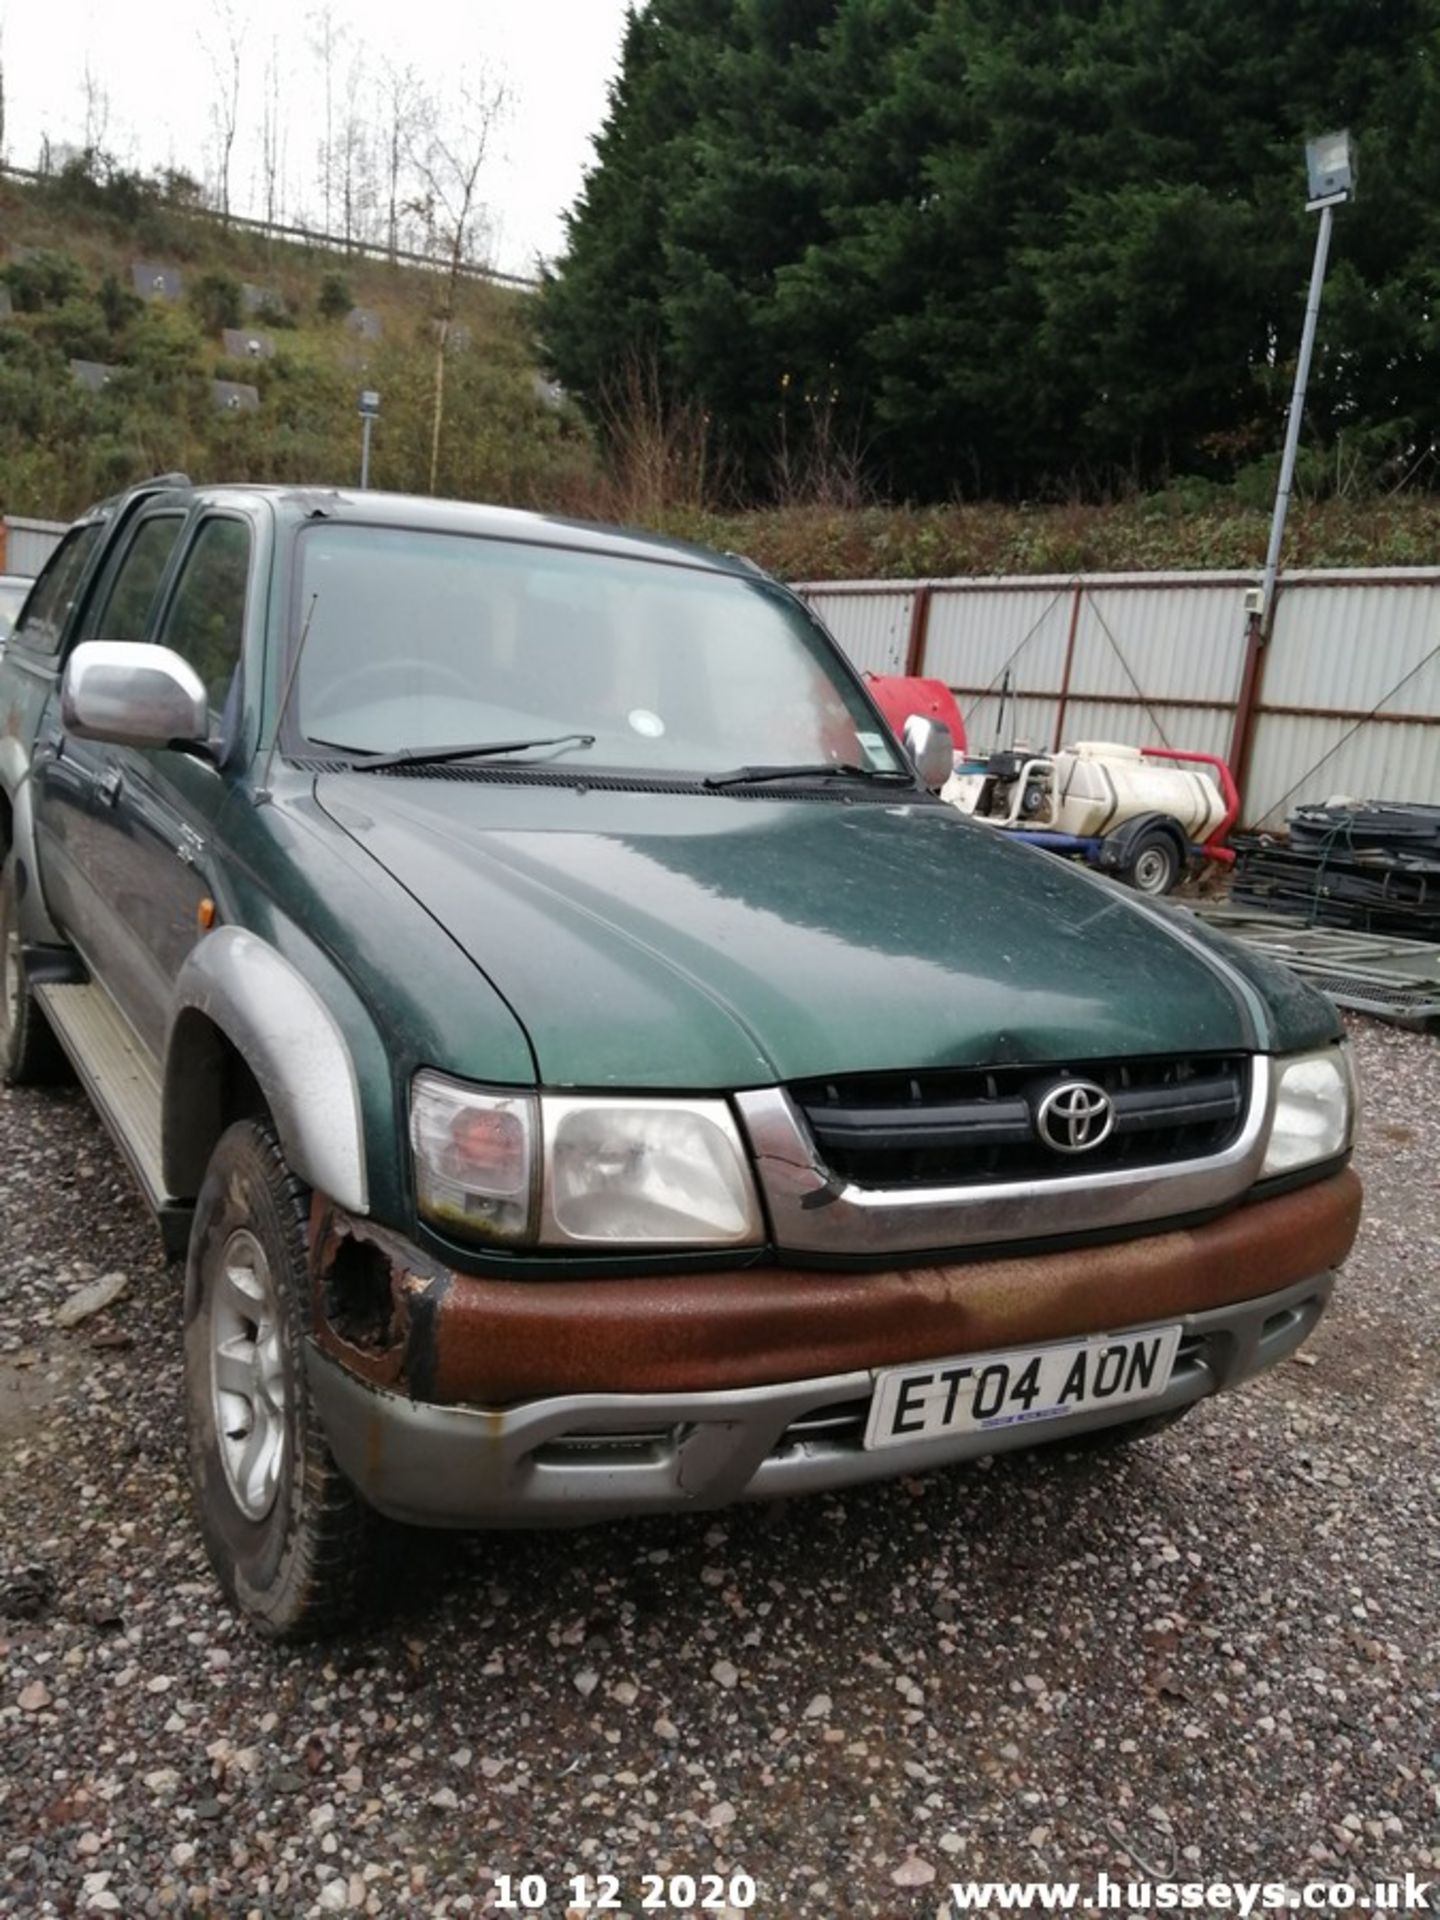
(92,182)
(118,304)
(216,301)
(165,235)
(24,406)
(165,348)
(45,278)
(335,299)
(77,329)
(272,314)
(117,463)
(180,190)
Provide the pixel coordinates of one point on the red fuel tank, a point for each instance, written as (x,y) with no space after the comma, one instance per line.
(898,695)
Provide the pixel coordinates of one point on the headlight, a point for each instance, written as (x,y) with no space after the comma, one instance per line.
(475,1158)
(1314,1110)
(564,1170)
(627,1171)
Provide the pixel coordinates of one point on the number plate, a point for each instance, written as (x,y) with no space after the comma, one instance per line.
(1022,1386)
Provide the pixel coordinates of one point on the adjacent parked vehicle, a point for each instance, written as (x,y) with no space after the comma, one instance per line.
(586,1068)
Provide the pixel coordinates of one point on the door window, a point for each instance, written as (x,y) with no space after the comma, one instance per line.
(54,593)
(206,621)
(124,612)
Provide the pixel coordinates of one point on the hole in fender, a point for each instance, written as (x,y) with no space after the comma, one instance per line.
(359,1300)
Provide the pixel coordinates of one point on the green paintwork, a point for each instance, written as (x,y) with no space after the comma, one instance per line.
(517,933)
(651,940)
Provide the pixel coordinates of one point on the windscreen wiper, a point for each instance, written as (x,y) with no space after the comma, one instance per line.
(441,756)
(824,770)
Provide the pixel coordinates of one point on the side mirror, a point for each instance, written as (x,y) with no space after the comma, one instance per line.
(133,694)
(929,744)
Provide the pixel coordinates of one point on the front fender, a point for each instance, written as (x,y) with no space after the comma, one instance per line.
(291,1042)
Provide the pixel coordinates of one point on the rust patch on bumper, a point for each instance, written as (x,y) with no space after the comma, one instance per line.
(456,1338)
(375,1300)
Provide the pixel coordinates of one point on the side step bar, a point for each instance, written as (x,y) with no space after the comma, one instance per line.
(121,1080)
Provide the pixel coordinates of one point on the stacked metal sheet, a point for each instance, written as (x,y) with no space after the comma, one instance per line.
(1375,973)
(1373,868)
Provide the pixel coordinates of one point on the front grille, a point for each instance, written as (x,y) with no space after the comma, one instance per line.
(975,1126)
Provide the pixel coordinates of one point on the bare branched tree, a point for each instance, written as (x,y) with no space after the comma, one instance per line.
(449,158)
(97,109)
(357,158)
(326,35)
(272,137)
(402,103)
(224,49)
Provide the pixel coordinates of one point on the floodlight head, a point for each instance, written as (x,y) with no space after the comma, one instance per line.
(369,403)
(1330,166)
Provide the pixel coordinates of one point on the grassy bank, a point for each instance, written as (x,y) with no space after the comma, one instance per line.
(67,270)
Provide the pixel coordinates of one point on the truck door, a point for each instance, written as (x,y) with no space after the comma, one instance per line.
(155,833)
(75,782)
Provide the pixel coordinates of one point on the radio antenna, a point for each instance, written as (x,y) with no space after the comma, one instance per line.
(262,793)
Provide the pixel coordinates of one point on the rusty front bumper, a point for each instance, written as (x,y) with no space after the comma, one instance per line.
(396,1318)
(573,1459)
(458,1402)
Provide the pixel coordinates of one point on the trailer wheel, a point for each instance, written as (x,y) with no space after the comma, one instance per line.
(1154,864)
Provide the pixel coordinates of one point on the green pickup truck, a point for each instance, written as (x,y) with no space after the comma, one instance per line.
(586,1069)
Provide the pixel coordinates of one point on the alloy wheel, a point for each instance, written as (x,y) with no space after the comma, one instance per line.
(247,1374)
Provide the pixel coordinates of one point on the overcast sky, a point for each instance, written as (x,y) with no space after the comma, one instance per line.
(149,57)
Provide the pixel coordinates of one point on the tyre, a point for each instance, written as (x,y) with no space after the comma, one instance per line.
(286,1533)
(1154,864)
(29,1052)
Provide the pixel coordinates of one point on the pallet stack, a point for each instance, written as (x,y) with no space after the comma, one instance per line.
(1373,867)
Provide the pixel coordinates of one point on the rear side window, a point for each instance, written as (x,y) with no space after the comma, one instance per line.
(53,594)
(124,611)
(206,621)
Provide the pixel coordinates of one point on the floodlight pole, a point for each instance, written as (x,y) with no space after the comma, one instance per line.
(1297,410)
(1330,175)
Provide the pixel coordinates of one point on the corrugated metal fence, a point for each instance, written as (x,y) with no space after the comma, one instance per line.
(1343,699)
(25,545)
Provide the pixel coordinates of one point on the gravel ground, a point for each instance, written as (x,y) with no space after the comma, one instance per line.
(1215,1655)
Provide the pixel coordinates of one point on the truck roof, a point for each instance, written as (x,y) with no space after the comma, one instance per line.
(296,504)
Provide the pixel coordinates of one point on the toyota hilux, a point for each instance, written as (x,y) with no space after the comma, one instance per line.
(586,1069)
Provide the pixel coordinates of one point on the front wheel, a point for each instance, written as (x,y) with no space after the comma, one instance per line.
(286,1533)
(1154,864)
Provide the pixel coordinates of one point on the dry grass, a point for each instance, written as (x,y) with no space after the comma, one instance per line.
(827,543)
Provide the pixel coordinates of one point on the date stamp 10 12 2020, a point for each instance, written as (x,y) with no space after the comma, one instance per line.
(718,1896)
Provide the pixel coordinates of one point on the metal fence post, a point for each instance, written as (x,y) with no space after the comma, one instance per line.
(1064,699)
(919,630)
(1258,632)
